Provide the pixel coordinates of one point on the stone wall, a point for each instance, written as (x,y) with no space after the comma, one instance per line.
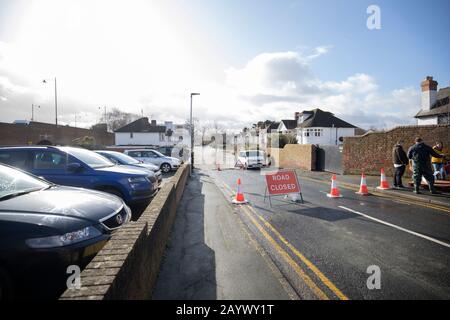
(35,132)
(295,156)
(373,151)
(128,265)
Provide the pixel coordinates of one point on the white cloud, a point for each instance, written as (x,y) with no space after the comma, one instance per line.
(144,64)
(286,79)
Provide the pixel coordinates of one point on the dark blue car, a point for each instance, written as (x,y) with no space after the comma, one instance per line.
(82,168)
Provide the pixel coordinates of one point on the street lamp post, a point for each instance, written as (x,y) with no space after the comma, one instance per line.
(56,101)
(192,136)
(32,110)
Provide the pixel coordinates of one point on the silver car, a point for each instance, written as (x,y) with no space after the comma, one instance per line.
(154,157)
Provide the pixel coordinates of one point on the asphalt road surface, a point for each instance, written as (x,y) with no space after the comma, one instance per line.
(325,248)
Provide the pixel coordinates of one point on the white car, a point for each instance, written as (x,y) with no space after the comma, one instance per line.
(252,159)
(154,157)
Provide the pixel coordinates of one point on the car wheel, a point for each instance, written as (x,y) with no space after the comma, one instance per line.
(165,167)
(6,287)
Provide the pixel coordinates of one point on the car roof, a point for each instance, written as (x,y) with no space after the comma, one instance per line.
(140,150)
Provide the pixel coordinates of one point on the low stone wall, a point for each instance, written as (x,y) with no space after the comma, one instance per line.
(373,151)
(295,156)
(128,265)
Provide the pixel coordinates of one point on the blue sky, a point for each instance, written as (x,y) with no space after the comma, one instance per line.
(413,40)
(251,59)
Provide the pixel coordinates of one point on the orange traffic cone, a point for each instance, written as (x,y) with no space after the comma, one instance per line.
(334,189)
(384,184)
(239,199)
(363,191)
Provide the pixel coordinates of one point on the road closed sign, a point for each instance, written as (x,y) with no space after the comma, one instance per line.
(282,182)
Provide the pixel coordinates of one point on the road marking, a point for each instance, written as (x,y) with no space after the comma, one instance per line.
(384,195)
(307,262)
(397,227)
(317,291)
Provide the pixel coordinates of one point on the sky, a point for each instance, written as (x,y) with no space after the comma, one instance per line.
(250,60)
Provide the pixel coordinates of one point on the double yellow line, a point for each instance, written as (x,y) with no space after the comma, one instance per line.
(318,292)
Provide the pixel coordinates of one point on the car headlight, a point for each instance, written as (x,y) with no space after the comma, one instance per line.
(65,239)
(137,180)
(129,213)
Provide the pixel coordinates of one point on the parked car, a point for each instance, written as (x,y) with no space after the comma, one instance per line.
(44,226)
(157,158)
(252,159)
(171,151)
(125,160)
(79,167)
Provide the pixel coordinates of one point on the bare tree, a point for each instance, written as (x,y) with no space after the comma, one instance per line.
(116,119)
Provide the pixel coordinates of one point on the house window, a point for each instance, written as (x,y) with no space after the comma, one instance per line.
(317,132)
(131,135)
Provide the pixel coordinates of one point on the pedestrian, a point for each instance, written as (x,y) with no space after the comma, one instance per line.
(400,160)
(419,154)
(438,163)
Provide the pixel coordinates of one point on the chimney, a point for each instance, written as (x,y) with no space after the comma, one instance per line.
(429,93)
(297,115)
(153,123)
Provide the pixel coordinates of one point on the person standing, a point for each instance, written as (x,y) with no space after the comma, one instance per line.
(400,161)
(438,163)
(419,154)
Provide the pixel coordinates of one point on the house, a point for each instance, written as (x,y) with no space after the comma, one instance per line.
(266,132)
(435,107)
(322,128)
(142,133)
(287,126)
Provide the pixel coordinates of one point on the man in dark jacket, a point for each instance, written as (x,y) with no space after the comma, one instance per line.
(400,161)
(420,154)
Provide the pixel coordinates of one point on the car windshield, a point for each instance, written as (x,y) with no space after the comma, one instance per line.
(253,153)
(122,158)
(13,181)
(158,153)
(90,158)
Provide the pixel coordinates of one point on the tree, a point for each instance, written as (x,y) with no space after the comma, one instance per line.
(116,119)
(284,139)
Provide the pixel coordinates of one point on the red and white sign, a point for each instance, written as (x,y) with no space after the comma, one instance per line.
(282,182)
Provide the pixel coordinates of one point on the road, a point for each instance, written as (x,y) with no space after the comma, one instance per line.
(325,246)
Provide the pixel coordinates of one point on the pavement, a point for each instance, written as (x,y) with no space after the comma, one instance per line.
(211,255)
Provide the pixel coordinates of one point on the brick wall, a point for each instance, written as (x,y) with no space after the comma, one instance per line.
(33,133)
(295,156)
(373,151)
(128,265)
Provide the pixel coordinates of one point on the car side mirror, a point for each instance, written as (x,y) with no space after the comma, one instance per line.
(74,167)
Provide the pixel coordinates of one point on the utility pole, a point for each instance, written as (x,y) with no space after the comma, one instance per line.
(192,136)
(56,101)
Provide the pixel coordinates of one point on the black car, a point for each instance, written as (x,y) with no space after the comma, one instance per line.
(46,227)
